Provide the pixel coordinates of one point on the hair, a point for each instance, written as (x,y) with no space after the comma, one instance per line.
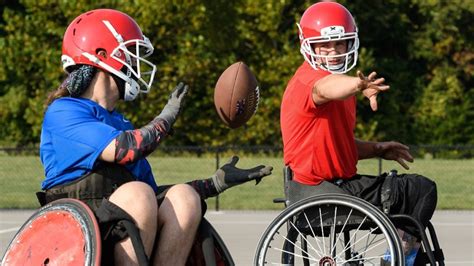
(60,92)
(75,84)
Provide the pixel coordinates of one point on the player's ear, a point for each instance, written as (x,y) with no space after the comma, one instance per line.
(101,53)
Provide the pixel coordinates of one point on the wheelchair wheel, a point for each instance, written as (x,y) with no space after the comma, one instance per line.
(209,248)
(330,229)
(63,232)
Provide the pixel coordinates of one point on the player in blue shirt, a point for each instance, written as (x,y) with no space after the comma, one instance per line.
(75,132)
(91,152)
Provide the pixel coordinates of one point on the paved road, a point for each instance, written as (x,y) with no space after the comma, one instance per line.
(241,231)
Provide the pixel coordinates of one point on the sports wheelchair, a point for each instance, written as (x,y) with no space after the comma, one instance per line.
(333,228)
(66,232)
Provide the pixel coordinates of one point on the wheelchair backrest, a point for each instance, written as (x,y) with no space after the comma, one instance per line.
(295,191)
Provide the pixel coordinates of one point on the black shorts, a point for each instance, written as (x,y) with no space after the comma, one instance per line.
(411,194)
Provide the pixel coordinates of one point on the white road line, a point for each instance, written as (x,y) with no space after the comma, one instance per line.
(242,222)
(453,224)
(12,222)
(9,230)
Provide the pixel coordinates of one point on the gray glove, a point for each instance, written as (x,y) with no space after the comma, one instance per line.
(229,175)
(171,110)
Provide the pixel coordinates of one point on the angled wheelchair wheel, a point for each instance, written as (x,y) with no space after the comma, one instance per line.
(330,229)
(63,232)
(209,248)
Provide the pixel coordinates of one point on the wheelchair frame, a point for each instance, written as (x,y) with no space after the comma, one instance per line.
(384,223)
(66,232)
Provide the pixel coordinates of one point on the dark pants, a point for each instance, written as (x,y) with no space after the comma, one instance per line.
(411,194)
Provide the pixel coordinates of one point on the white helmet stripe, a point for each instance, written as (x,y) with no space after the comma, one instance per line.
(117,36)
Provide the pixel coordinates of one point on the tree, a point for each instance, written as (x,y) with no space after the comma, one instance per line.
(422,48)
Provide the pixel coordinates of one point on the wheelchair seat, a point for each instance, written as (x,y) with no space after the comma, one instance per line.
(295,191)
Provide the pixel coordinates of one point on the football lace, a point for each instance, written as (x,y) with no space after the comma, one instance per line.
(257,100)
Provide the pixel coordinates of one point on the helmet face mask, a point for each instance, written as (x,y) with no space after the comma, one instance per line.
(328,22)
(137,72)
(121,38)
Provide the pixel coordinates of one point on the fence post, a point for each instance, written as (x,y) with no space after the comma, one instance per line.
(217,167)
(380,166)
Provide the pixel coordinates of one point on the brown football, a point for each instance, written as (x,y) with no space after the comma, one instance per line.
(236,95)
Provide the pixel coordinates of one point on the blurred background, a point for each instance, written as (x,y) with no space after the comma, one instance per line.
(424,49)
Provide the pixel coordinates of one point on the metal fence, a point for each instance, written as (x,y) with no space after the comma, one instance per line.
(21,172)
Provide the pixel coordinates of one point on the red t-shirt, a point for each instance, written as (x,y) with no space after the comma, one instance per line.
(318,141)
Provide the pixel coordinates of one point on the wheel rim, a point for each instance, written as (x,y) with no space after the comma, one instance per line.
(368,242)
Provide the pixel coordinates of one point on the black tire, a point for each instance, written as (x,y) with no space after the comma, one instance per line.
(311,231)
(219,244)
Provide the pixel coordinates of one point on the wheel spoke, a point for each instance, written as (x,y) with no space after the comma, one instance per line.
(352,237)
(297,255)
(342,230)
(358,254)
(322,230)
(312,232)
(297,246)
(303,236)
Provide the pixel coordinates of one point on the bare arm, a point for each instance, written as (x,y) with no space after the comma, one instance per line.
(366,149)
(390,150)
(108,154)
(340,87)
(334,87)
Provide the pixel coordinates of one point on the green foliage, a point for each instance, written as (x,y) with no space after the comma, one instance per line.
(422,48)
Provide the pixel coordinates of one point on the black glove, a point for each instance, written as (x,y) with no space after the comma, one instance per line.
(171,110)
(229,175)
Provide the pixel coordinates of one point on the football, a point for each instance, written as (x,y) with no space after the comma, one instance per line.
(236,95)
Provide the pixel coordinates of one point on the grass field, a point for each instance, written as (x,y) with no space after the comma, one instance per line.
(20,178)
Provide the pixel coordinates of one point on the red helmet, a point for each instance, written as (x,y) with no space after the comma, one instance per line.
(121,38)
(324,22)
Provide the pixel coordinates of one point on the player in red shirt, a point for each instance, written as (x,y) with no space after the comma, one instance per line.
(318,118)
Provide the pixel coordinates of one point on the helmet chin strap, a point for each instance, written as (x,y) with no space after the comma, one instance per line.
(120,85)
(128,91)
(132,89)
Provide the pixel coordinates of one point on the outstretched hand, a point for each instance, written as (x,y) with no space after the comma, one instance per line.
(370,87)
(173,107)
(229,175)
(395,151)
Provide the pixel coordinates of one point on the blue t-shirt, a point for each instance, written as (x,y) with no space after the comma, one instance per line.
(74,134)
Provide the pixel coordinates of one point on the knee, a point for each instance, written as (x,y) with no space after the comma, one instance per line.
(428,188)
(136,198)
(186,201)
(427,199)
